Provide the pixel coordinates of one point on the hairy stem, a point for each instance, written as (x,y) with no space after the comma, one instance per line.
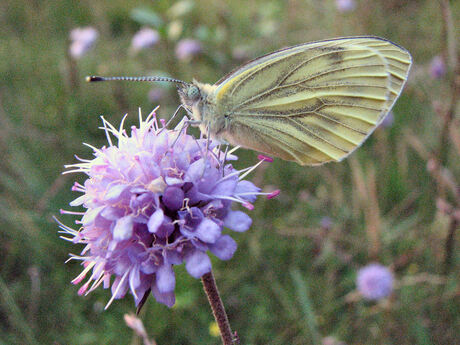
(218,310)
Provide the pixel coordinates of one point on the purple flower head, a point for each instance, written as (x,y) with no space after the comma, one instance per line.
(83,40)
(155,199)
(345,5)
(437,67)
(187,49)
(375,281)
(144,38)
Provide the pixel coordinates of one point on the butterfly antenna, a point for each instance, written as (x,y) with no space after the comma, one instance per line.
(93,78)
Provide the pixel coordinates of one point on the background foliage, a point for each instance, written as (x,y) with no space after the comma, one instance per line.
(393,201)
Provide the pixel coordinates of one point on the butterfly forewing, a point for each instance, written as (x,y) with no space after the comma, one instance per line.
(315,102)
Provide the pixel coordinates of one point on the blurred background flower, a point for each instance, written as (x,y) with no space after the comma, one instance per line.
(437,67)
(345,5)
(187,48)
(375,281)
(326,222)
(82,40)
(144,38)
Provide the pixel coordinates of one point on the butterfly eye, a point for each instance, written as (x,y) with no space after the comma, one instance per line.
(193,93)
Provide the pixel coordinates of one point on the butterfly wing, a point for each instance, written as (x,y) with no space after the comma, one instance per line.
(315,102)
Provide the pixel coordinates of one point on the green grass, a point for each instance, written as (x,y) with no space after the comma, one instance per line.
(287,270)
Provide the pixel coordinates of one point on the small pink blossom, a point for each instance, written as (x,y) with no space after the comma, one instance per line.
(82,40)
(375,281)
(187,49)
(437,67)
(144,38)
(345,5)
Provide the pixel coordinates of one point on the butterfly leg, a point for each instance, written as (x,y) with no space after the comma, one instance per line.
(224,160)
(174,115)
(194,123)
(182,126)
(208,142)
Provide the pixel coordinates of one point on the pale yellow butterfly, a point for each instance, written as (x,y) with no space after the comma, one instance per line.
(312,103)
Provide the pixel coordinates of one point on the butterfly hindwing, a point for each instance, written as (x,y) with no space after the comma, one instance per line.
(315,102)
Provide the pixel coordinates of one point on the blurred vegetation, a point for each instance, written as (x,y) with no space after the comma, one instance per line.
(393,201)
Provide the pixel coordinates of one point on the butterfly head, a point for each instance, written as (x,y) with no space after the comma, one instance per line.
(199,101)
(189,94)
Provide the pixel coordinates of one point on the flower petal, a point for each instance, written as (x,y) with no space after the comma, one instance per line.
(119,287)
(166,298)
(173,198)
(208,231)
(197,264)
(166,281)
(246,188)
(123,229)
(114,192)
(134,279)
(237,221)
(112,213)
(80,200)
(225,187)
(91,215)
(224,247)
(155,220)
(172,257)
(166,228)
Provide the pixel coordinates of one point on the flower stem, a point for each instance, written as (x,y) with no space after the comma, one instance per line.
(218,310)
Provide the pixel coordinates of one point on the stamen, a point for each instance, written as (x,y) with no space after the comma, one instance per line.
(248,205)
(77,188)
(96,283)
(83,288)
(106,130)
(82,159)
(62,211)
(122,124)
(234,149)
(74,171)
(273,194)
(83,273)
(250,170)
(122,280)
(96,150)
(265,158)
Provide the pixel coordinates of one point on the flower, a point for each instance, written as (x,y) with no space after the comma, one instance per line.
(144,38)
(156,199)
(83,40)
(437,67)
(187,49)
(375,281)
(345,5)
(326,223)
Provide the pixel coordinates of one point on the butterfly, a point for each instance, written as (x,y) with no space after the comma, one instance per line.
(312,103)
